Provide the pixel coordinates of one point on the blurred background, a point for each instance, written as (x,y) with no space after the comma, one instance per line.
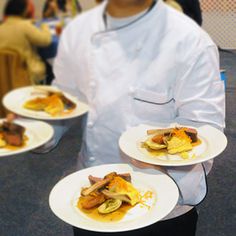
(219,18)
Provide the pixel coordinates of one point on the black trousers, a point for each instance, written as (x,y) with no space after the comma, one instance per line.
(184,225)
(49,73)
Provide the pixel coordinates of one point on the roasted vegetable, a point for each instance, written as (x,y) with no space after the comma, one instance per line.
(109,206)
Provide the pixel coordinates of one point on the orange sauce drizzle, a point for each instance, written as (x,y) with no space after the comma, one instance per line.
(147,195)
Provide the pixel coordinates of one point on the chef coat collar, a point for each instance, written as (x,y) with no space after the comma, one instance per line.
(104,15)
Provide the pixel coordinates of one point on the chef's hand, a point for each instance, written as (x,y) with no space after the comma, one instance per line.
(11,117)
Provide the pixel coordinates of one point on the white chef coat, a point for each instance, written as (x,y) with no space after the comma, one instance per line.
(162,68)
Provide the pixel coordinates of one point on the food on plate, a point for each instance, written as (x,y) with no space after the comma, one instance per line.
(109,205)
(176,140)
(11,134)
(53,102)
(109,194)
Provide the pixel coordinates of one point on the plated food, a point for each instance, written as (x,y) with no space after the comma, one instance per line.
(12,135)
(55,103)
(20,135)
(114,199)
(178,140)
(173,145)
(44,102)
(110,197)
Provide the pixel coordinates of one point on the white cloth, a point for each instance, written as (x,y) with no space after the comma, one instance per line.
(114,22)
(161,69)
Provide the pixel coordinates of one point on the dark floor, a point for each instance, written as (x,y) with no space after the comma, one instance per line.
(26,181)
(218,211)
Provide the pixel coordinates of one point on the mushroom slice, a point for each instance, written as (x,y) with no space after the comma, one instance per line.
(109,206)
(120,196)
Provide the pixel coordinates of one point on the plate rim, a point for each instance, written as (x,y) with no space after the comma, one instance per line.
(37,116)
(132,170)
(174,163)
(38,144)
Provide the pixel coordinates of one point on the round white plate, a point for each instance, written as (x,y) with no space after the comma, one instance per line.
(64,196)
(213,143)
(15,99)
(37,132)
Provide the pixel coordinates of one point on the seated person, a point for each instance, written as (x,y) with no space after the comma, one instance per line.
(19,34)
(53,8)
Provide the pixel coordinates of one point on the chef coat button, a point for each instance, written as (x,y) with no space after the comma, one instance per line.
(131,91)
(90,124)
(92,84)
(91,158)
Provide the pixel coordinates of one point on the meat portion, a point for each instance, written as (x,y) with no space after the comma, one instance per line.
(97,193)
(160,131)
(125,176)
(13,133)
(92,200)
(66,101)
(94,187)
(93,179)
(192,133)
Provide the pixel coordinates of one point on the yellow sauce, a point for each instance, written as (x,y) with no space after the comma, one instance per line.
(198,142)
(113,216)
(119,213)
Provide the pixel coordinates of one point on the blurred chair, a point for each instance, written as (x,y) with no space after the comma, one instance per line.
(13,74)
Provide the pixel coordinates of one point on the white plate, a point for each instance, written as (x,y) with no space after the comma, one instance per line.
(64,195)
(213,143)
(15,99)
(37,132)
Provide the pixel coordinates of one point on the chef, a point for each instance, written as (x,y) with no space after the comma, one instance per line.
(141,62)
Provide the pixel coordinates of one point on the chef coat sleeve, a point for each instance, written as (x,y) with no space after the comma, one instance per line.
(200,99)
(199,92)
(63,67)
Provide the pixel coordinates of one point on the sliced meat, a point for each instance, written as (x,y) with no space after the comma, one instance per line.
(93,179)
(67,102)
(158,139)
(13,133)
(126,176)
(110,176)
(91,201)
(192,133)
(94,187)
(159,131)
